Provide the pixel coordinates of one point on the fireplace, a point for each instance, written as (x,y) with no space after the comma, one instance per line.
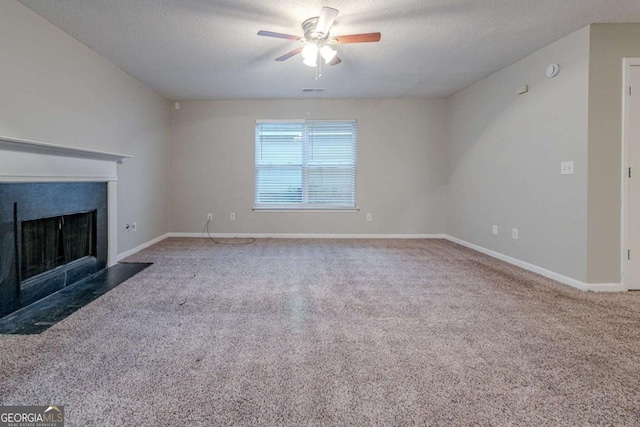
(53,235)
(67,196)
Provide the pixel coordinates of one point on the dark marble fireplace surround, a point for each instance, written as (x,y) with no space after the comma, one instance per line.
(23,202)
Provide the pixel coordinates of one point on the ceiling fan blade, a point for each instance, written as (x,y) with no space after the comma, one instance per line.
(325,20)
(286,56)
(278,35)
(358,38)
(335,61)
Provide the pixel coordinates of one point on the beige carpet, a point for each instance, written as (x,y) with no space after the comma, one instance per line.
(334,332)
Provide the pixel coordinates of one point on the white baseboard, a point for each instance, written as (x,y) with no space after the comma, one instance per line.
(534,268)
(594,287)
(308,236)
(141,247)
(606,287)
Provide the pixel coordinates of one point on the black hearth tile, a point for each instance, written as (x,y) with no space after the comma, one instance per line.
(39,290)
(42,314)
(81,269)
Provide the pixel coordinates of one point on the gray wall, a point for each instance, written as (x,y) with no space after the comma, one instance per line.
(56,90)
(400,177)
(609,44)
(504,154)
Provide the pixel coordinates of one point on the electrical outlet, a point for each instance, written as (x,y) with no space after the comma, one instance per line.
(232,216)
(134,226)
(209,217)
(369,217)
(514,233)
(566,168)
(523,89)
(494,230)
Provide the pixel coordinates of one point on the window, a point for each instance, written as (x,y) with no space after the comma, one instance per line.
(306,164)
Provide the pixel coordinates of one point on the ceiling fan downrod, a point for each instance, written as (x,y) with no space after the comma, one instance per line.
(318,62)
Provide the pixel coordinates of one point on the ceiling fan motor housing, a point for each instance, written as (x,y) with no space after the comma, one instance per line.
(310,34)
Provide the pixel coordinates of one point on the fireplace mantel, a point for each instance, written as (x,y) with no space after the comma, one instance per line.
(27,146)
(33,161)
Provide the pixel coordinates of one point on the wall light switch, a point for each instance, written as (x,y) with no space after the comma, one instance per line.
(369,218)
(566,168)
(232,216)
(494,230)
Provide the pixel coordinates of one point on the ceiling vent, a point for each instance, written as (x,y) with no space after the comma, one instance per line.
(312,90)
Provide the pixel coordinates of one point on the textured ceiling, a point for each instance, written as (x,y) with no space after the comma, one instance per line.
(208,49)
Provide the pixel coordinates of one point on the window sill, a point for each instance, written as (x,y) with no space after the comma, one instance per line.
(309,210)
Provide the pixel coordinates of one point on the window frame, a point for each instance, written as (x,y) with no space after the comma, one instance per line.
(305,167)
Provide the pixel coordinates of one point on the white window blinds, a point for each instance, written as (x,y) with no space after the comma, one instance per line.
(306,164)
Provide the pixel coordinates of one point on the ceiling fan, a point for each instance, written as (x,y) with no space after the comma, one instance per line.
(317,40)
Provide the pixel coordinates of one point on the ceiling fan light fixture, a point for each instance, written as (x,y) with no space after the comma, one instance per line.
(310,52)
(327,53)
(311,62)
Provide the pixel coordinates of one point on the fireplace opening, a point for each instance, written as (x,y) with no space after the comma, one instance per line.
(49,243)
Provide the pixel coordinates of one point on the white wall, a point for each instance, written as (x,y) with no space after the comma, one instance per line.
(54,89)
(504,154)
(400,177)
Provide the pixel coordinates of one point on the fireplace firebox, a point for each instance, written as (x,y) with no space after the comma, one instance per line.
(49,243)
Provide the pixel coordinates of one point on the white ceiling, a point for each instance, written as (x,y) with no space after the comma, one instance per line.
(208,49)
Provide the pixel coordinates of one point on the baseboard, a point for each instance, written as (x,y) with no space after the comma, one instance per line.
(308,236)
(142,246)
(522,264)
(606,287)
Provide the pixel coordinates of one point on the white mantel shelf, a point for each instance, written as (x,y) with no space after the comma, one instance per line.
(36,147)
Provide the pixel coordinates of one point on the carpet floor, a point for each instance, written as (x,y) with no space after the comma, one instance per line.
(333,332)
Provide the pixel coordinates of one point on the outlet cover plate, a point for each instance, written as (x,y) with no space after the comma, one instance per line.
(566,168)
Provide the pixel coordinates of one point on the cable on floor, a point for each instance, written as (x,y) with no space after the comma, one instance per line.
(234,240)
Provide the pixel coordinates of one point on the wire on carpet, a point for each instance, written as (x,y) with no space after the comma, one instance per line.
(233,241)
